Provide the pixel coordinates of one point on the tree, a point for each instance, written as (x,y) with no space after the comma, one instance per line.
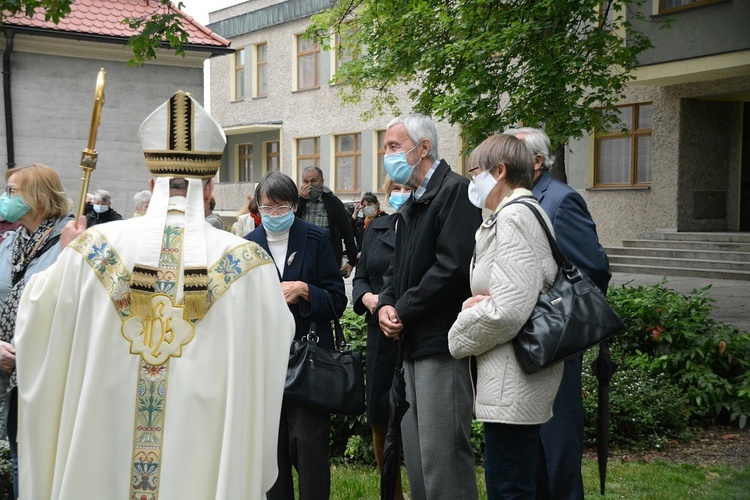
(161,28)
(487,64)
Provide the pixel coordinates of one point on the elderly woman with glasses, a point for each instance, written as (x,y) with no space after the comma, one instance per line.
(35,198)
(512,264)
(314,291)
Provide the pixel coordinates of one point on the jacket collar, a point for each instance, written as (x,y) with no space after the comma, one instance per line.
(295,249)
(541,185)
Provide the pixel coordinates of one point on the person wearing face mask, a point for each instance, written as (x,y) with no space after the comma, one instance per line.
(318,205)
(369,211)
(34,198)
(309,275)
(101,210)
(561,446)
(377,252)
(419,302)
(513,263)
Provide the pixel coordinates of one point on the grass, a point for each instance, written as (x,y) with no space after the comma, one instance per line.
(630,480)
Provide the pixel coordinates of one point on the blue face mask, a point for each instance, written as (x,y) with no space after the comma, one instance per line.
(277,223)
(100,209)
(398,199)
(13,208)
(397,167)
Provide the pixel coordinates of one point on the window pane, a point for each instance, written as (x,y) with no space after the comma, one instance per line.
(240,84)
(262,81)
(644,116)
(626,117)
(644,159)
(303,164)
(304,45)
(240,54)
(345,173)
(307,71)
(344,143)
(613,161)
(262,51)
(307,147)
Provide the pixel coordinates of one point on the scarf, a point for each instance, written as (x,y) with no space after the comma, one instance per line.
(24,251)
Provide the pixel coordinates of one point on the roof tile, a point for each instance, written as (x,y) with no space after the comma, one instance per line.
(104,18)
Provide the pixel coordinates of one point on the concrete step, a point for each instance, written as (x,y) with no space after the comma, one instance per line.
(679,253)
(666,262)
(726,237)
(678,271)
(688,245)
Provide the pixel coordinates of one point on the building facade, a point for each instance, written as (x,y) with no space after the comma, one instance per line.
(50,75)
(681,164)
(279,111)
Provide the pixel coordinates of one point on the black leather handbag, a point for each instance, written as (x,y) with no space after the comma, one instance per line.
(322,380)
(570,317)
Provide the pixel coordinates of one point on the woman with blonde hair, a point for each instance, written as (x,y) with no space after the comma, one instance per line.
(35,198)
(512,264)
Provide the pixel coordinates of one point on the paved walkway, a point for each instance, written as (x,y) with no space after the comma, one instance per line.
(732,298)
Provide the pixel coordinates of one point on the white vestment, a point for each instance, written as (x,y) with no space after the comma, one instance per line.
(80,375)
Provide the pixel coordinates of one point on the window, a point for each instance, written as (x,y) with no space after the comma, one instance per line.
(308,154)
(382,174)
(272,156)
(245,160)
(239,75)
(261,75)
(672,5)
(623,155)
(307,63)
(347,162)
(341,54)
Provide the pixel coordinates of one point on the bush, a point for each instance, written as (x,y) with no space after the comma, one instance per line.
(644,409)
(673,334)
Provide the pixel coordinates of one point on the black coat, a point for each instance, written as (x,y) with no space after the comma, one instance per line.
(93,218)
(339,227)
(377,252)
(309,258)
(430,272)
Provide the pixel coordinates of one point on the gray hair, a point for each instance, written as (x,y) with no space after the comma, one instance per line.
(419,127)
(538,141)
(104,196)
(141,197)
(509,150)
(317,170)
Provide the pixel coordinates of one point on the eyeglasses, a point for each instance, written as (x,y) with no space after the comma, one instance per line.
(471,171)
(269,210)
(10,191)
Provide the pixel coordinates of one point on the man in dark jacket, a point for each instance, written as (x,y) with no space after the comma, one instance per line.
(559,464)
(429,282)
(318,205)
(102,210)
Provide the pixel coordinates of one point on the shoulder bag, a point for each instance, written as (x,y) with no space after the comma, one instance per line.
(322,380)
(570,317)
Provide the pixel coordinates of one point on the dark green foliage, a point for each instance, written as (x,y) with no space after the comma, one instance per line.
(162,27)
(6,472)
(487,65)
(673,334)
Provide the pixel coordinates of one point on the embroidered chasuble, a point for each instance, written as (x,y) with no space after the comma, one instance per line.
(116,406)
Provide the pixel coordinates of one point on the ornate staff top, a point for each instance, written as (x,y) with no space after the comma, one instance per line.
(89,155)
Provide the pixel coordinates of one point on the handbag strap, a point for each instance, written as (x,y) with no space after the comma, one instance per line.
(340,340)
(560,259)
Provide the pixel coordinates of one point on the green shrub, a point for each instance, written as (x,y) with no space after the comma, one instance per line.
(670,333)
(645,409)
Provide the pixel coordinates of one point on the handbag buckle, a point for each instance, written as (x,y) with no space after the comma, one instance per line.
(310,338)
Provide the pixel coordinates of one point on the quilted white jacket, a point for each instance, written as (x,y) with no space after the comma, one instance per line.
(512,264)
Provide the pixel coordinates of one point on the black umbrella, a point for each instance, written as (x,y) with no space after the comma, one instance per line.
(397,406)
(603,368)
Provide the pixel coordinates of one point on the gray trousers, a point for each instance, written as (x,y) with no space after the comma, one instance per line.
(436,429)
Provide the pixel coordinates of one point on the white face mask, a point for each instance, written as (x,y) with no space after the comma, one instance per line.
(480,187)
